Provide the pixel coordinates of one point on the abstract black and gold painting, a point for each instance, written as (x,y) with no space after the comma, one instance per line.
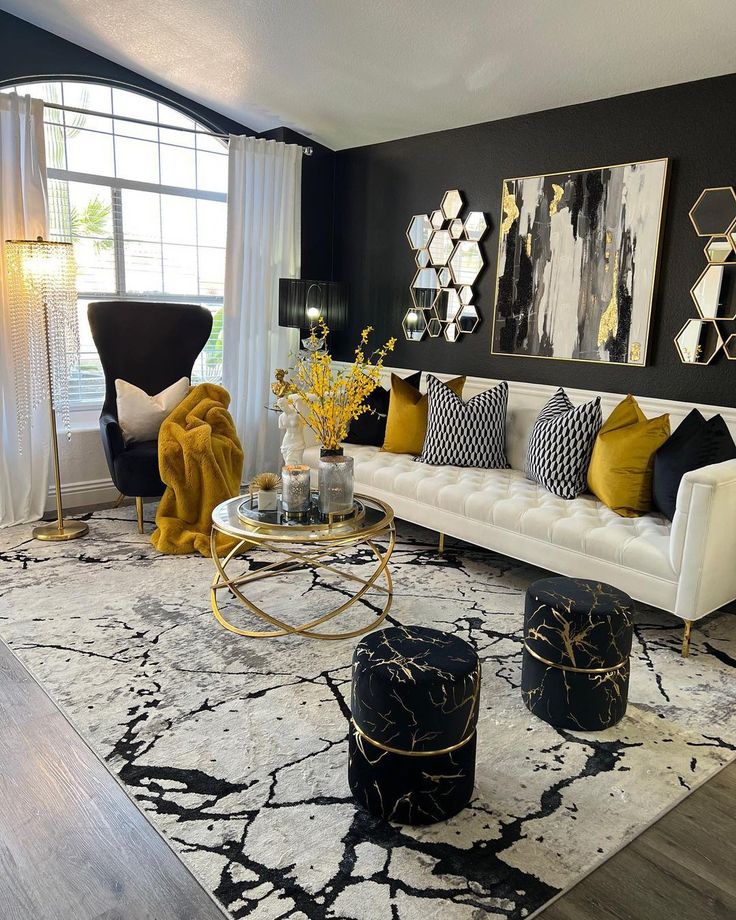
(577,263)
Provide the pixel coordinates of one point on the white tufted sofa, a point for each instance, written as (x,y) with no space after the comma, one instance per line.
(687,567)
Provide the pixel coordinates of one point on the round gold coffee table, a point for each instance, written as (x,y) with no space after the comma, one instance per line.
(309,543)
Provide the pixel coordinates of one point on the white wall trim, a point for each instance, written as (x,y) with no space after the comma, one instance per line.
(83,493)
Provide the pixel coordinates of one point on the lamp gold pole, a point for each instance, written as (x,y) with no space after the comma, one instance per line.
(61,530)
(43,311)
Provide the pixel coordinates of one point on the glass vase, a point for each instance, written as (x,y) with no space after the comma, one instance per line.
(295,489)
(335,486)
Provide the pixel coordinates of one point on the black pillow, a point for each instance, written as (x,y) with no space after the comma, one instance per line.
(693,444)
(370,427)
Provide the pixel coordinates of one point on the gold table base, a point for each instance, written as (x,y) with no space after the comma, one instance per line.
(311,558)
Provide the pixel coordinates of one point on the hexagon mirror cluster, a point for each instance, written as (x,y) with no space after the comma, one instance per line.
(449,260)
(714,293)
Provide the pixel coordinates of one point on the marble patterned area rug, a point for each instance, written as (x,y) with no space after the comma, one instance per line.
(236,748)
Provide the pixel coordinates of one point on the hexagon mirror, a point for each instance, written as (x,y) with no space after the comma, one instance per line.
(466,295)
(452,202)
(422,258)
(434,326)
(714,292)
(730,347)
(467,319)
(440,247)
(438,220)
(452,333)
(424,288)
(475,225)
(719,249)
(714,211)
(445,277)
(466,263)
(456,228)
(698,342)
(419,231)
(447,305)
(414,325)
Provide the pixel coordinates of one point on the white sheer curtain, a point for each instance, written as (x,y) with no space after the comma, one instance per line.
(263,245)
(24,464)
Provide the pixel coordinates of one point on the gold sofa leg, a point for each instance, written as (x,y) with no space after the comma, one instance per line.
(441,544)
(119,500)
(139,512)
(686,638)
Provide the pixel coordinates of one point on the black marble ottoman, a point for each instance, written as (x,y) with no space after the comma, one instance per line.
(412,736)
(577,642)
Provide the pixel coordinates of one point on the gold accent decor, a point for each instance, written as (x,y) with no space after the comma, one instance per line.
(441,544)
(558,191)
(608,325)
(405,753)
(139,512)
(635,352)
(569,667)
(44,323)
(305,546)
(265,482)
(509,209)
(686,638)
(714,212)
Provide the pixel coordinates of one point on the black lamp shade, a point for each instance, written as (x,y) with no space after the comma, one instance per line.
(328,298)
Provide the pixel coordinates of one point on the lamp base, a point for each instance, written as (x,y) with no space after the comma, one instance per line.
(70,530)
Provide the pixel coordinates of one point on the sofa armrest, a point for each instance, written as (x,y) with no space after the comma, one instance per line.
(112,440)
(703,540)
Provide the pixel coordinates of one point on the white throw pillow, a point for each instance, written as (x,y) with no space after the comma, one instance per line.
(140,415)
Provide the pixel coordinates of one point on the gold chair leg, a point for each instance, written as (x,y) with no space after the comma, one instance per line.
(686,638)
(119,500)
(139,512)
(441,544)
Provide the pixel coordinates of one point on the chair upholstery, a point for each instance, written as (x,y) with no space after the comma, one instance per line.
(150,345)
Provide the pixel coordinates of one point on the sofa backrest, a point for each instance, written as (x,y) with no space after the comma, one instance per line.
(526,399)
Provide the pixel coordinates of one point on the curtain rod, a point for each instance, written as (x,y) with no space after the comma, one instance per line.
(142,121)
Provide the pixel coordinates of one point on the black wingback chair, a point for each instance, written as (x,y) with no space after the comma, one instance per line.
(150,345)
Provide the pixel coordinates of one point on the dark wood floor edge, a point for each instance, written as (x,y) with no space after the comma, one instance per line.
(658,817)
(67,718)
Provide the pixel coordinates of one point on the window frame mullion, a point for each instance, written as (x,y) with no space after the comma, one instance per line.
(118,238)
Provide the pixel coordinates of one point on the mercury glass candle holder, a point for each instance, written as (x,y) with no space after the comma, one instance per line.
(295,489)
(335,486)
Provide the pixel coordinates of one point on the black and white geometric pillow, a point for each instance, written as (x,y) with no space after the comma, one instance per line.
(460,433)
(561,443)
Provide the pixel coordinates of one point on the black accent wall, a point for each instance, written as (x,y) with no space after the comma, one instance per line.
(27,52)
(379,187)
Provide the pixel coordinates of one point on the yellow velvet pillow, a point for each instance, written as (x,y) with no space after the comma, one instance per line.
(620,471)
(406,423)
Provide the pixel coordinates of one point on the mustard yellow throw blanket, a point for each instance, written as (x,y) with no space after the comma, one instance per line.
(200,461)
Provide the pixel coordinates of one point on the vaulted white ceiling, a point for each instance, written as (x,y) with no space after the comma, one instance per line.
(352,72)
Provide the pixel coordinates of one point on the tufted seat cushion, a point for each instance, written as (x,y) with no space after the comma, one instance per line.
(506,499)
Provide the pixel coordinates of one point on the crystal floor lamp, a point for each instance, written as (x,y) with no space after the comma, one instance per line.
(45,343)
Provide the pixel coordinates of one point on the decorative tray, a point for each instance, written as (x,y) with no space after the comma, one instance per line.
(310,520)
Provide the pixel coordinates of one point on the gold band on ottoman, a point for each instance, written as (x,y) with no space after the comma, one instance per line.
(569,667)
(404,753)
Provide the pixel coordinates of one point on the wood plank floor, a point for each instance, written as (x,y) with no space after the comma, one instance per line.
(74,847)
(72,844)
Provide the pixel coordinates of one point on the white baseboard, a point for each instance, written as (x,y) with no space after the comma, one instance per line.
(81,494)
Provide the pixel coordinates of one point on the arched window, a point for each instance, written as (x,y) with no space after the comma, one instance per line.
(141,190)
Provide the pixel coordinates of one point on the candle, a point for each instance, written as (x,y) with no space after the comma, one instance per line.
(295,489)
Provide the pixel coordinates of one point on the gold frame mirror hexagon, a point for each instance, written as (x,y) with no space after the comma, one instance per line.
(452,202)
(422,258)
(440,247)
(714,292)
(714,213)
(699,341)
(434,326)
(466,263)
(475,226)
(414,325)
(456,228)
(452,333)
(466,294)
(437,219)
(467,319)
(419,231)
(445,276)
(719,249)
(447,305)
(729,346)
(424,288)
